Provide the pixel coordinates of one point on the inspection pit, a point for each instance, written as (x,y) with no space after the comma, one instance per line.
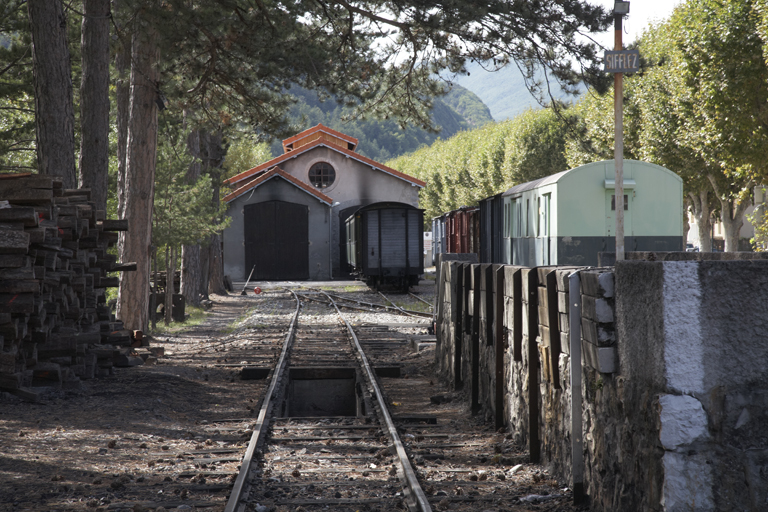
(322,392)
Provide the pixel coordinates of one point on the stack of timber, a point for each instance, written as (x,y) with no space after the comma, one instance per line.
(55,325)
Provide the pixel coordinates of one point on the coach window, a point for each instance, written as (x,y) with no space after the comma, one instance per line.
(322,175)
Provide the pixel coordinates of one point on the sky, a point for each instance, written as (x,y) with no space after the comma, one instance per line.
(641,13)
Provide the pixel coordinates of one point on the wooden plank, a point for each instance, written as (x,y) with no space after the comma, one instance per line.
(26,196)
(27,180)
(25,214)
(18,303)
(14,242)
(20,286)
(17,273)
(114,225)
(14,260)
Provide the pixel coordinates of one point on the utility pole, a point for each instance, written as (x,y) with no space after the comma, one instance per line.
(620,9)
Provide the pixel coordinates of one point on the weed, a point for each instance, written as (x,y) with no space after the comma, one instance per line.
(194,317)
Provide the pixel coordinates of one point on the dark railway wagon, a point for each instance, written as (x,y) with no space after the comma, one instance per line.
(463,230)
(569,217)
(385,244)
(491,229)
(457,231)
(439,240)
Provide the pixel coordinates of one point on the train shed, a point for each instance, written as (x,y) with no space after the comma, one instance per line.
(288,213)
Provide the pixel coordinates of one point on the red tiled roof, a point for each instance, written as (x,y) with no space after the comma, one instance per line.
(277,172)
(357,156)
(319,128)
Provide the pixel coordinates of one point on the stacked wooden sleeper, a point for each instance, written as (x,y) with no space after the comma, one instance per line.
(55,325)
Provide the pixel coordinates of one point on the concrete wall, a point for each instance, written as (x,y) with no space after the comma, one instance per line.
(356,184)
(674,400)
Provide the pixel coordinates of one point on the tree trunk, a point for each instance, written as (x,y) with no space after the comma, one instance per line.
(215,159)
(191,275)
(54,110)
(700,210)
(732,214)
(140,177)
(94,106)
(216,267)
(123,96)
(170,275)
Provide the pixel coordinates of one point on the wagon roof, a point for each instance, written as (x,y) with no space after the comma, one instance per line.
(548,180)
(323,143)
(517,189)
(274,173)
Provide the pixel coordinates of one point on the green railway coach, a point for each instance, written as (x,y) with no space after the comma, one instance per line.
(569,217)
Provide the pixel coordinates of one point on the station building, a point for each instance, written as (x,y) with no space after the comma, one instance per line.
(288,213)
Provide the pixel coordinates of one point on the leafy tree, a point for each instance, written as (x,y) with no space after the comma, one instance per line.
(244,153)
(184,215)
(728,96)
(476,164)
(535,146)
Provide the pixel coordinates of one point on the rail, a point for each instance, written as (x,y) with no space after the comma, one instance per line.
(416,498)
(262,421)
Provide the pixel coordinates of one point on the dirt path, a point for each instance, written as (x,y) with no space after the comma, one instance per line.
(86,449)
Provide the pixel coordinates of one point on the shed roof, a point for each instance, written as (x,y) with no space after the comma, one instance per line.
(322,143)
(274,173)
(319,131)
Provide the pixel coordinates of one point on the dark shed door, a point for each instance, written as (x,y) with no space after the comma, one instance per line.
(277,240)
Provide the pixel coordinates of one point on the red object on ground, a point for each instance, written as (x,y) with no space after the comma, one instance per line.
(257,290)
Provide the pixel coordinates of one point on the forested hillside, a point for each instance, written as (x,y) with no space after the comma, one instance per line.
(382,139)
(503,91)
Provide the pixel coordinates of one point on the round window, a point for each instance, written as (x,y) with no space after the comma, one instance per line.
(322,175)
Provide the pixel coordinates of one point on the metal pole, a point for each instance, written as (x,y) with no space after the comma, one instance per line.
(577,432)
(618,107)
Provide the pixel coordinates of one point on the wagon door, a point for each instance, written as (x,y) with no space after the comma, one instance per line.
(545,232)
(610,213)
(277,240)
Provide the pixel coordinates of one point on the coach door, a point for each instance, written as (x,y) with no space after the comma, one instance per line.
(277,241)
(610,217)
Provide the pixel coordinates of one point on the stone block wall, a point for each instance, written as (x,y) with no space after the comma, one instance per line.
(692,346)
(673,401)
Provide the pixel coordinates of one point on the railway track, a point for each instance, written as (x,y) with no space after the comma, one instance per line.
(349,424)
(324,401)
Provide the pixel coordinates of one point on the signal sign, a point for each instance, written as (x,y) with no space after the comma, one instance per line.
(624,61)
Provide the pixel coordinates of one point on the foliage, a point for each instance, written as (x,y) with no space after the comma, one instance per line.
(536,146)
(229,59)
(245,152)
(759,219)
(17,106)
(477,164)
(183,212)
(382,139)
(694,106)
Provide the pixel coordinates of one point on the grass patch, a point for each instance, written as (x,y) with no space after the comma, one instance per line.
(414,306)
(194,317)
(235,324)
